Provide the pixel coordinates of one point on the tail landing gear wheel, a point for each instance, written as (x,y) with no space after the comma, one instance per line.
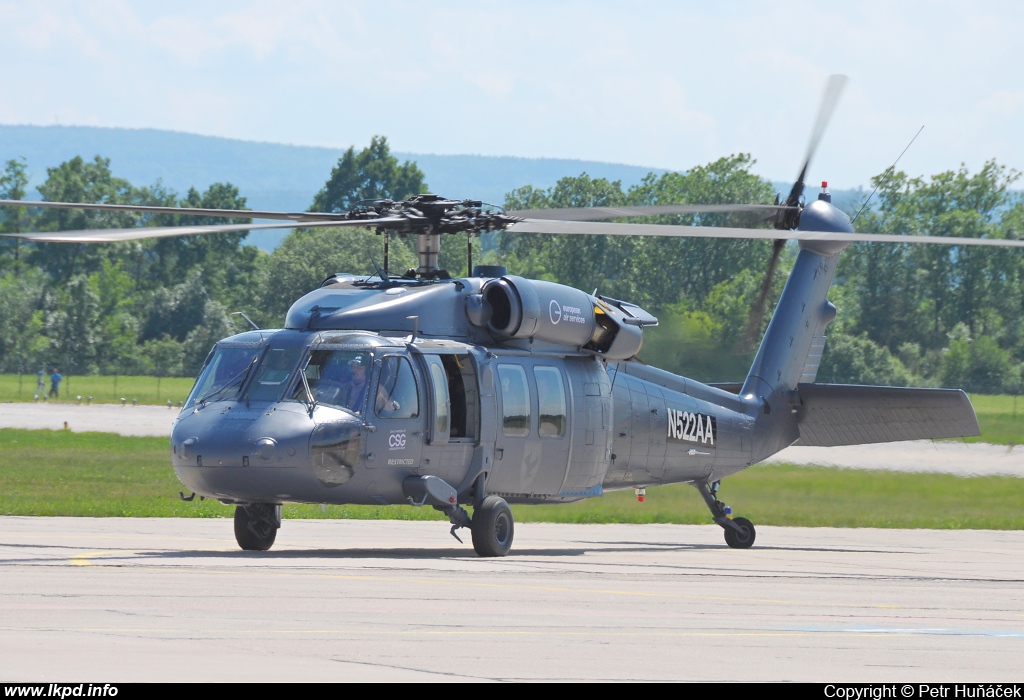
(492,528)
(256,526)
(742,538)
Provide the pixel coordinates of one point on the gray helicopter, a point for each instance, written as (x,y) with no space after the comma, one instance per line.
(494,389)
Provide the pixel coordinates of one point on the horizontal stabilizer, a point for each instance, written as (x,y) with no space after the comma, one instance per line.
(840,414)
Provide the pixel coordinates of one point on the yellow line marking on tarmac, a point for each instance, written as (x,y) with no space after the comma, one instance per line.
(83,558)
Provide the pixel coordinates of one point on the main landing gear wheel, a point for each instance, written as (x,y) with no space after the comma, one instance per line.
(741,538)
(256,526)
(492,528)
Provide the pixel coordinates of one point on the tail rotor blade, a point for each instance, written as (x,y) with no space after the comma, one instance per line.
(746,343)
(833,90)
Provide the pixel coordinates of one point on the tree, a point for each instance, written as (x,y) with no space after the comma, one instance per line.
(220,256)
(22,343)
(176,311)
(693,267)
(79,181)
(979,365)
(578,261)
(857,360)
(72,328)
(13,182)
(117,324)
(307,256)
(919,293)
(373,173)
(649,271)
(215,326)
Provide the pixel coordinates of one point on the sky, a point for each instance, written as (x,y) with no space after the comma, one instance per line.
(657,84)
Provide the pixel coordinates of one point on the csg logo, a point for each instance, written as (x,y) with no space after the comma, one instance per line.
(396,440)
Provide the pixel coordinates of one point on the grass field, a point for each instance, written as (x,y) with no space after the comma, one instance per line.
(1001,421)
(97,474)
(102,389)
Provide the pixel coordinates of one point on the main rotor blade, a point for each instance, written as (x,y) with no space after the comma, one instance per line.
(745,344)
(598,213)
(114,235)
(672,231)
(829,100)
(188,211)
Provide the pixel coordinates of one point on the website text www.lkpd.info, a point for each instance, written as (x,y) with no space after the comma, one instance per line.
(60,690)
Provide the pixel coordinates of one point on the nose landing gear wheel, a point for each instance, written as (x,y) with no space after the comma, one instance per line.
(492,528)
(256,526)
(742,538)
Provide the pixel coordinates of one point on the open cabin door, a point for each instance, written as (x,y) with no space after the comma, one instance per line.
(453,422)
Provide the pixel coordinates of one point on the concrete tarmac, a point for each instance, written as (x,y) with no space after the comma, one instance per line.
(81,418)
(119,599)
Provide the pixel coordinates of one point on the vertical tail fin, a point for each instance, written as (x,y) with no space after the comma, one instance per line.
(791,349)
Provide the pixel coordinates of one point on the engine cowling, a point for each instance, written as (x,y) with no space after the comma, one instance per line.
(515,307)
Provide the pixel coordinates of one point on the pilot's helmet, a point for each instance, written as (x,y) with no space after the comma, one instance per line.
(357,362)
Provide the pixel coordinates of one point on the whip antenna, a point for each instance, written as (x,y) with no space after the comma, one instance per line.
(886,173)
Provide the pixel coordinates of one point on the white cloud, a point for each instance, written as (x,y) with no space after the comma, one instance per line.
(655,83)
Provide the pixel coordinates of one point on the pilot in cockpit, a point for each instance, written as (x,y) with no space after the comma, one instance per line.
(355,388)
(342,381)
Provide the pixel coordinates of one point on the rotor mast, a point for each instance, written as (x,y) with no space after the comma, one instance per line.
(427,216)
(428,247)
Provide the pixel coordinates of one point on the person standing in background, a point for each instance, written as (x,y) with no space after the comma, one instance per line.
(55,383)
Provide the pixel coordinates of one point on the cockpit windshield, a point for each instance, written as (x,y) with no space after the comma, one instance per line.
(336,378)
(224,374)
(272,374)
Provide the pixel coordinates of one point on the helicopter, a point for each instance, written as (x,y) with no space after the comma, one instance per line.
(493,389)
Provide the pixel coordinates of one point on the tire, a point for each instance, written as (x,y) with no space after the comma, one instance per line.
(740,540)
(493,528)
(256,526)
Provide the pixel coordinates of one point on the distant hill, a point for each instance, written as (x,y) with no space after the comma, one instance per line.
(271,175)
(282,177)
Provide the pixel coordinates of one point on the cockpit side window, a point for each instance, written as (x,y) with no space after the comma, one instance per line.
(272,374)
(397,395)
(336,378)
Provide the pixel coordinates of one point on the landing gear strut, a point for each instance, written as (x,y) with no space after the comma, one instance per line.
(492,524)
(739,532)
(256,525)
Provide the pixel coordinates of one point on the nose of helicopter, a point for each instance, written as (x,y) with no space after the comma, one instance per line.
(223,443)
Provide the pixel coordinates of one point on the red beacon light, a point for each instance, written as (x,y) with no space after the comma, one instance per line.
(825,195)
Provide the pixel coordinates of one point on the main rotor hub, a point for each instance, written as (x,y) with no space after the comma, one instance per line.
(428,216)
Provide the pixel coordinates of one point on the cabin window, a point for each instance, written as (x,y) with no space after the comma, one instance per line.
(336,378)
(440,380)
(272,374)
(397,395)
(515,401)
(552,413)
